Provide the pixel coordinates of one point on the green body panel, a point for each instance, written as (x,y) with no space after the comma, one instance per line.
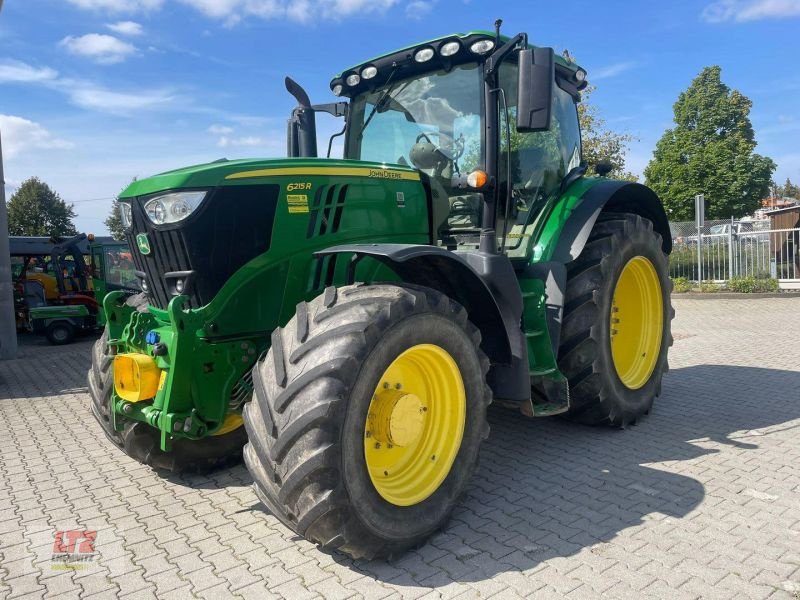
(69,311)
(210,350)
(554,217)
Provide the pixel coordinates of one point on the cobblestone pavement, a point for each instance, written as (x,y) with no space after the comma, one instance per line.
(700,499)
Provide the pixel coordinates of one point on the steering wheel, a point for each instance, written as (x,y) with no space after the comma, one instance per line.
(457,146)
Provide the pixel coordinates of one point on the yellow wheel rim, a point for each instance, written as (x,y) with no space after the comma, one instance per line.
(637,322)
(415,424)
(232,421)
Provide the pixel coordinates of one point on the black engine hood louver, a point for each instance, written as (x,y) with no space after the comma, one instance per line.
(232,226)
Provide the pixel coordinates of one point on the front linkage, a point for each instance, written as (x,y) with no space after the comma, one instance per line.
(168,374)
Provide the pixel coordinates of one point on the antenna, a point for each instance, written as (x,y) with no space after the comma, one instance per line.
(497,24)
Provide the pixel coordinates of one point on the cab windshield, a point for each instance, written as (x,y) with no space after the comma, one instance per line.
(442,108)
(432,122)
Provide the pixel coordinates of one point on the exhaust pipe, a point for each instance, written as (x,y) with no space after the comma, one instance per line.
(301,135)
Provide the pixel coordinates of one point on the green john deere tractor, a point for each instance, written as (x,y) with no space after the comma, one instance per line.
(349,321)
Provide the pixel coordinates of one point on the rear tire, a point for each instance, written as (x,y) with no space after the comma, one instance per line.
(141,441)
(598,393)
(312,410)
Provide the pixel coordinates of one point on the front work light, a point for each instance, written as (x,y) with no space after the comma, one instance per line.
(337,89)
(482,46)
(450,48)
(369,72)
(423,55)
(174,207)
(353,80)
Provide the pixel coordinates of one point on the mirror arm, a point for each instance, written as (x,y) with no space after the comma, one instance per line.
(336,109)
(497,57)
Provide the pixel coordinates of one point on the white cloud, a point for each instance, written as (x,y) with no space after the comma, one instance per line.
(250,141)
(741,11)
(19,72)
(21,135)
(86,94)
(610,71)
(119,6)
(101,48)
(233,11)
(91,97)
(416,9)
(220,129)
(131,28)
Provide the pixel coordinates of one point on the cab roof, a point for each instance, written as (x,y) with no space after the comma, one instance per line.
(386,62)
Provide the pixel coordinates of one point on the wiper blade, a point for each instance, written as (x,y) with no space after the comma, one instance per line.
(380,101)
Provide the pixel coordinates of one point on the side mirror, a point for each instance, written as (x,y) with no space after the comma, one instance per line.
(535,89)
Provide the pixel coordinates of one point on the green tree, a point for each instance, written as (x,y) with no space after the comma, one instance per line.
(787,190)
(601,144)
(114,221)
(35,209)
(710,152)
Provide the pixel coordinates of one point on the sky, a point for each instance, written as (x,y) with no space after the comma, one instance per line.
(96,92)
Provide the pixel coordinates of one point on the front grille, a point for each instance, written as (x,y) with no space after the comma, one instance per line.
(168,252)
(231,226)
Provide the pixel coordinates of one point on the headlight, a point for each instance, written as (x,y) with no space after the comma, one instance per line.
(171,208)
(125,214)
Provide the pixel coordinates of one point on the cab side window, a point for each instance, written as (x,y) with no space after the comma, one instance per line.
(538,161)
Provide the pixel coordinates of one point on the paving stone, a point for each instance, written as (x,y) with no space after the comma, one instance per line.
(699,499)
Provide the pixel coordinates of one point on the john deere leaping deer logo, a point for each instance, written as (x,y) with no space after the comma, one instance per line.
(143,243)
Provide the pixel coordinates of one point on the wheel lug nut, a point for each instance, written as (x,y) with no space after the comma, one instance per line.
(397,386)
(377,445)
(368,434)
(386,385)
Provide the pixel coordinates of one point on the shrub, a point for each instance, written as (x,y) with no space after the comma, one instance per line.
(750,284)
(681,285)
(708,287)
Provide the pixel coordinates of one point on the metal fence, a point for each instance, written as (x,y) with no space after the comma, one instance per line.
(725,249)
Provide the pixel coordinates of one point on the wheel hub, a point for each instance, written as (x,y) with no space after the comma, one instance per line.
(398,418)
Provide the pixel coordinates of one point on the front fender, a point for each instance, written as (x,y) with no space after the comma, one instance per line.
(449,273)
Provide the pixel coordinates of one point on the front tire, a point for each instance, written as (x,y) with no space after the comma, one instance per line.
(360,395)
(141,441)
(617,322)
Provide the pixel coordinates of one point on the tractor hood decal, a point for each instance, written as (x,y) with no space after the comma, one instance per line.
(341,171)
(143,243)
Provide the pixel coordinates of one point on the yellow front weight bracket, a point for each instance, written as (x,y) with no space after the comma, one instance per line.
(136,377)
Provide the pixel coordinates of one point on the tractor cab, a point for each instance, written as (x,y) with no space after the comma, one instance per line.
(447,107)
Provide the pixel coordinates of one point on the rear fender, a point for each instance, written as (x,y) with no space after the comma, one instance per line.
(570,223)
